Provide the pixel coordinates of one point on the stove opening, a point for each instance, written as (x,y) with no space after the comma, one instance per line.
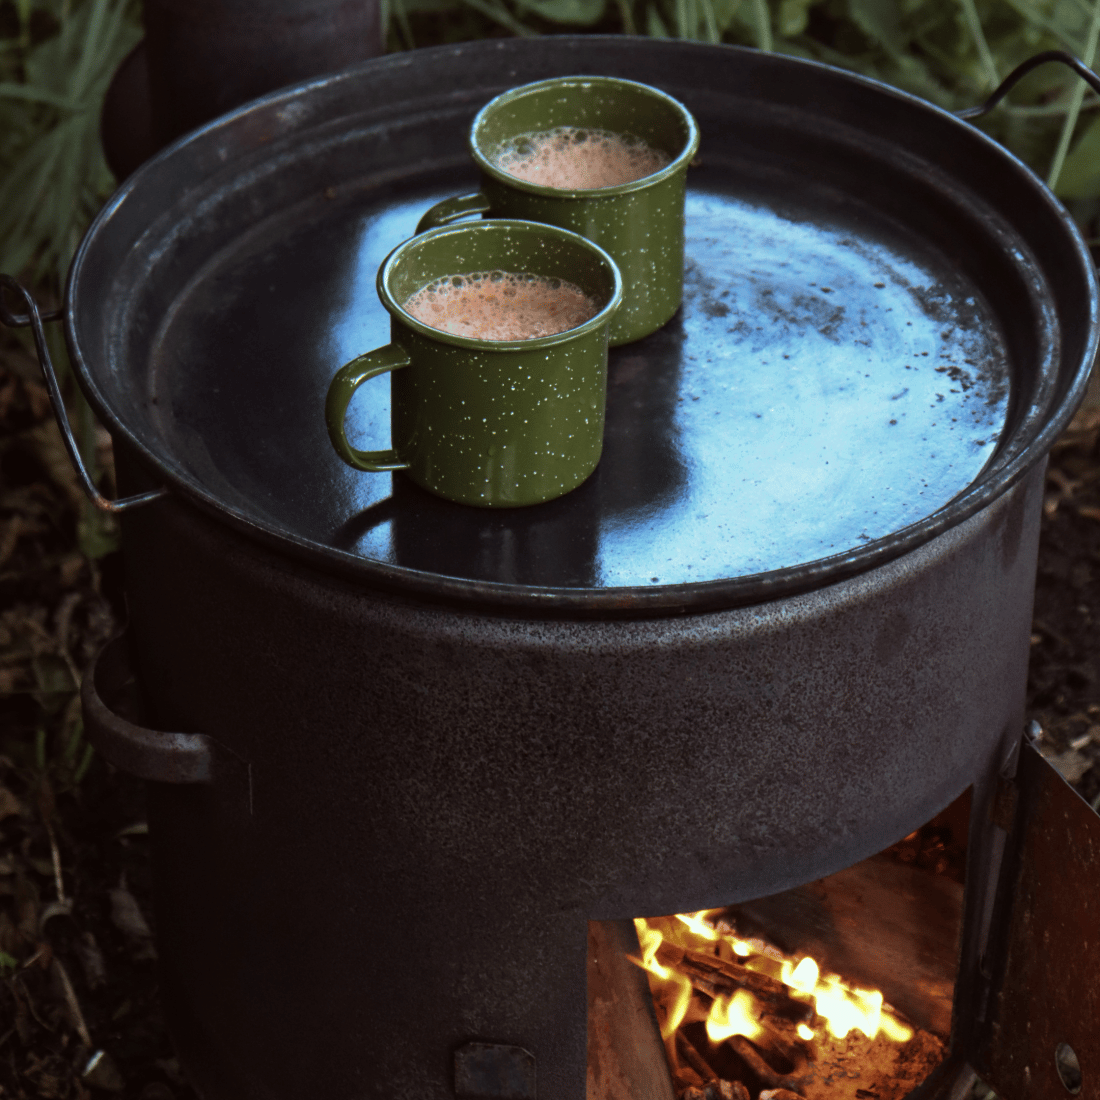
(840,989)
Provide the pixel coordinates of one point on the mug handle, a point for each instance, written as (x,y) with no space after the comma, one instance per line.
(451,210)
(348,379)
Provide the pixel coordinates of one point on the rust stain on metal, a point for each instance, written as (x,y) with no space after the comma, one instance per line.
(1050,994)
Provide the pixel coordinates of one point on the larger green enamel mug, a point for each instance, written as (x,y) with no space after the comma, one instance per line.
(487,422)
(640,224)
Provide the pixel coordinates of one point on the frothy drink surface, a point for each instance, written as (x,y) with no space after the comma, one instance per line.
(500,305)
(575,159)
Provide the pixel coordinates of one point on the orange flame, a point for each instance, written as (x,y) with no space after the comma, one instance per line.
(650,939)
(733,1016)
(844,1008)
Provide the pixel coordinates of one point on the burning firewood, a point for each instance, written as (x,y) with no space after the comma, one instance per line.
(717,1090)
(686,1050)
(716,976)
(733,1090)
(783,1037)
(690,1054)
(771,1027)
(752,1058)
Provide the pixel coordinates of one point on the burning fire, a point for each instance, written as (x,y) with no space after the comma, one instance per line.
(744,979)
(844,1008)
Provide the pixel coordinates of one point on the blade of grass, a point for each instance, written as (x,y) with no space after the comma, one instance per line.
(1035,18)
(91,53)
(53,172)
(501,15)
(84,765)
(21,195)
(112,27)
(68,753)
(710,23)
(1049,110)
(27,94)
(985,56)
(763,24)
(731,14)
(1070,124)
(627,17)
(403,26)
(1083,8)
(654,24)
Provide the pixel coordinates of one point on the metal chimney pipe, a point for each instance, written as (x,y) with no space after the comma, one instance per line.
(201,58)
(205,57)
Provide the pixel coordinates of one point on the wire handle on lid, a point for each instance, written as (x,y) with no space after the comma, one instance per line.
(1021,70)
(34,318)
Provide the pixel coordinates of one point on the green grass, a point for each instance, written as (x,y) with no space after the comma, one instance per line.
(952,52)
(56,61)
(57,57)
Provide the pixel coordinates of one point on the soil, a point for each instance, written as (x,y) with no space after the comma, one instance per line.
(79,1009)
(1064,675)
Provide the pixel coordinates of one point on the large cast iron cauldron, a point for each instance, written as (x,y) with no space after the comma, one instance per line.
(416,747)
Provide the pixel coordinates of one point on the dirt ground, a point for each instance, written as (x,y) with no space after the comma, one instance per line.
(1064,677)
(79,1012)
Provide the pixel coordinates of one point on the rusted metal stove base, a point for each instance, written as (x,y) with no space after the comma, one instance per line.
(377,876)
(1042,966)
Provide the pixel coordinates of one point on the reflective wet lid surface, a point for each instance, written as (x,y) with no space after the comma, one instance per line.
(822,386)
(847,361)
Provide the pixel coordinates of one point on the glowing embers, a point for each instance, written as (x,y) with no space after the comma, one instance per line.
(742,1021)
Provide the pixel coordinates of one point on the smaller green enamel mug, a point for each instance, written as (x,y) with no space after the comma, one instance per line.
(641,223)
(487,422)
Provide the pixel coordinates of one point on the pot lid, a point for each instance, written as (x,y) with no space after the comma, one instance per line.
(877,338)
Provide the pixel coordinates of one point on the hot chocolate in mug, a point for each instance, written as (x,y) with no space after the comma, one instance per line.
(494,423)
(640,222)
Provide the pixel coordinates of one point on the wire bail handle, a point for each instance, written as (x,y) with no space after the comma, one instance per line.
(34,318)
(1021,70)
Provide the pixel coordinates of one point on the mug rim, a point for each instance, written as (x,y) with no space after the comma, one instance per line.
(398,313)
(691,146)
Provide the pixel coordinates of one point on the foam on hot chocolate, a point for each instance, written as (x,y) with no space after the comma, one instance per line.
(576,159)
(501,305)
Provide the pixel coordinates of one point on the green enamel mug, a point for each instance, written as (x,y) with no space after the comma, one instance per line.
(640,223)
(492,423)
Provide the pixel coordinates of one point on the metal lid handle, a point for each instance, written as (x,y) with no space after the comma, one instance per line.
(34,319)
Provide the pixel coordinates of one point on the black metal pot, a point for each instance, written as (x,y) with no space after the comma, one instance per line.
(201,58)
(421,746)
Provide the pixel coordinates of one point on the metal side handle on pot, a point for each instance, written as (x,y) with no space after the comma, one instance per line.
(148,754)
(34,319)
